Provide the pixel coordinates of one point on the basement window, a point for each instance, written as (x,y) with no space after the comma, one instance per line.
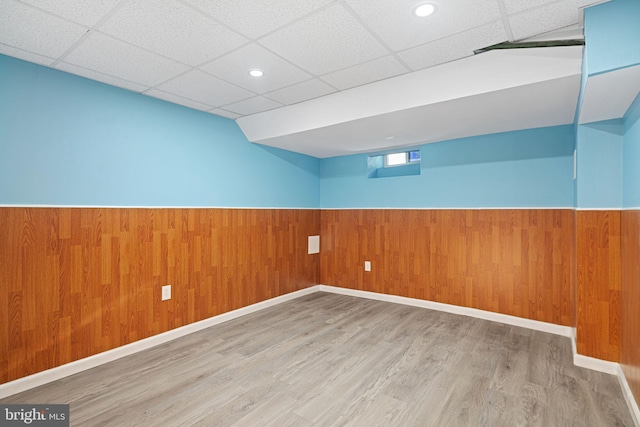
(401,163)
(402,158)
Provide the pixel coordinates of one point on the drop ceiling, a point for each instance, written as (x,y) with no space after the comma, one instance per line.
(340,76)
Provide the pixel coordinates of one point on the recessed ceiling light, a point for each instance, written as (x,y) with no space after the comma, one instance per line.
(389,138)
(424,10)
(256,73)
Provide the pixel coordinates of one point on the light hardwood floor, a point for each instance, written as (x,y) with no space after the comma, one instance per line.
(333,360)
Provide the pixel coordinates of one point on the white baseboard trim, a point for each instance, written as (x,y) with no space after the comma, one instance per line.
(565,331)
(53,374)
(611,368)
(628,396)
(41,378)
(592,363)
(595,364)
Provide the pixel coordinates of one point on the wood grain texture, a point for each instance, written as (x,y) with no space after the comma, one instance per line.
(630,318)
(77,282)
(599,284)
(516,262)
(334,360)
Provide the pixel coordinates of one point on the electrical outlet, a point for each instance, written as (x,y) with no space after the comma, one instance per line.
(367,266)
(166,292)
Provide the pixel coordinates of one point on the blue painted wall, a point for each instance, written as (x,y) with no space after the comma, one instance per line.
(631,156)
(529,168)
(599,183)
(612,32)
(66,140)
(607,151)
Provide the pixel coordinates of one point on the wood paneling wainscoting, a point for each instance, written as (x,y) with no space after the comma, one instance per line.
(75,282)
(599,284)
(630,319)
(511,261)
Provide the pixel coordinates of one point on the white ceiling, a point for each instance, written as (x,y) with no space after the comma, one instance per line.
(498,91)
(197,53)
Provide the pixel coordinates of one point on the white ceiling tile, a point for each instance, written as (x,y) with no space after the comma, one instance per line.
(515,6)
(378,69)
(252,105)
(329,40)
(201,87)
(33,30)
(544,19)
(255,18)
(307,48)
(235,67)
(225,113)
(25,56)
(104,78)
(301,92)
(587,3)
(110,56)
(454,47)
(572,32)
(86,12)
(172,29)
(395,23)
(155,93)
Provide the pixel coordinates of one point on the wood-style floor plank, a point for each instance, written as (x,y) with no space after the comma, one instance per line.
(334,360)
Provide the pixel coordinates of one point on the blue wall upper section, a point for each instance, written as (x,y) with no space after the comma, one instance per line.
(66,140)
(631,156)
(599,184)
(612,33)
(529,168)
(608,152)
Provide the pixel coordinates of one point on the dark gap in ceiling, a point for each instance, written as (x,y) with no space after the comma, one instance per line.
(529,45)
